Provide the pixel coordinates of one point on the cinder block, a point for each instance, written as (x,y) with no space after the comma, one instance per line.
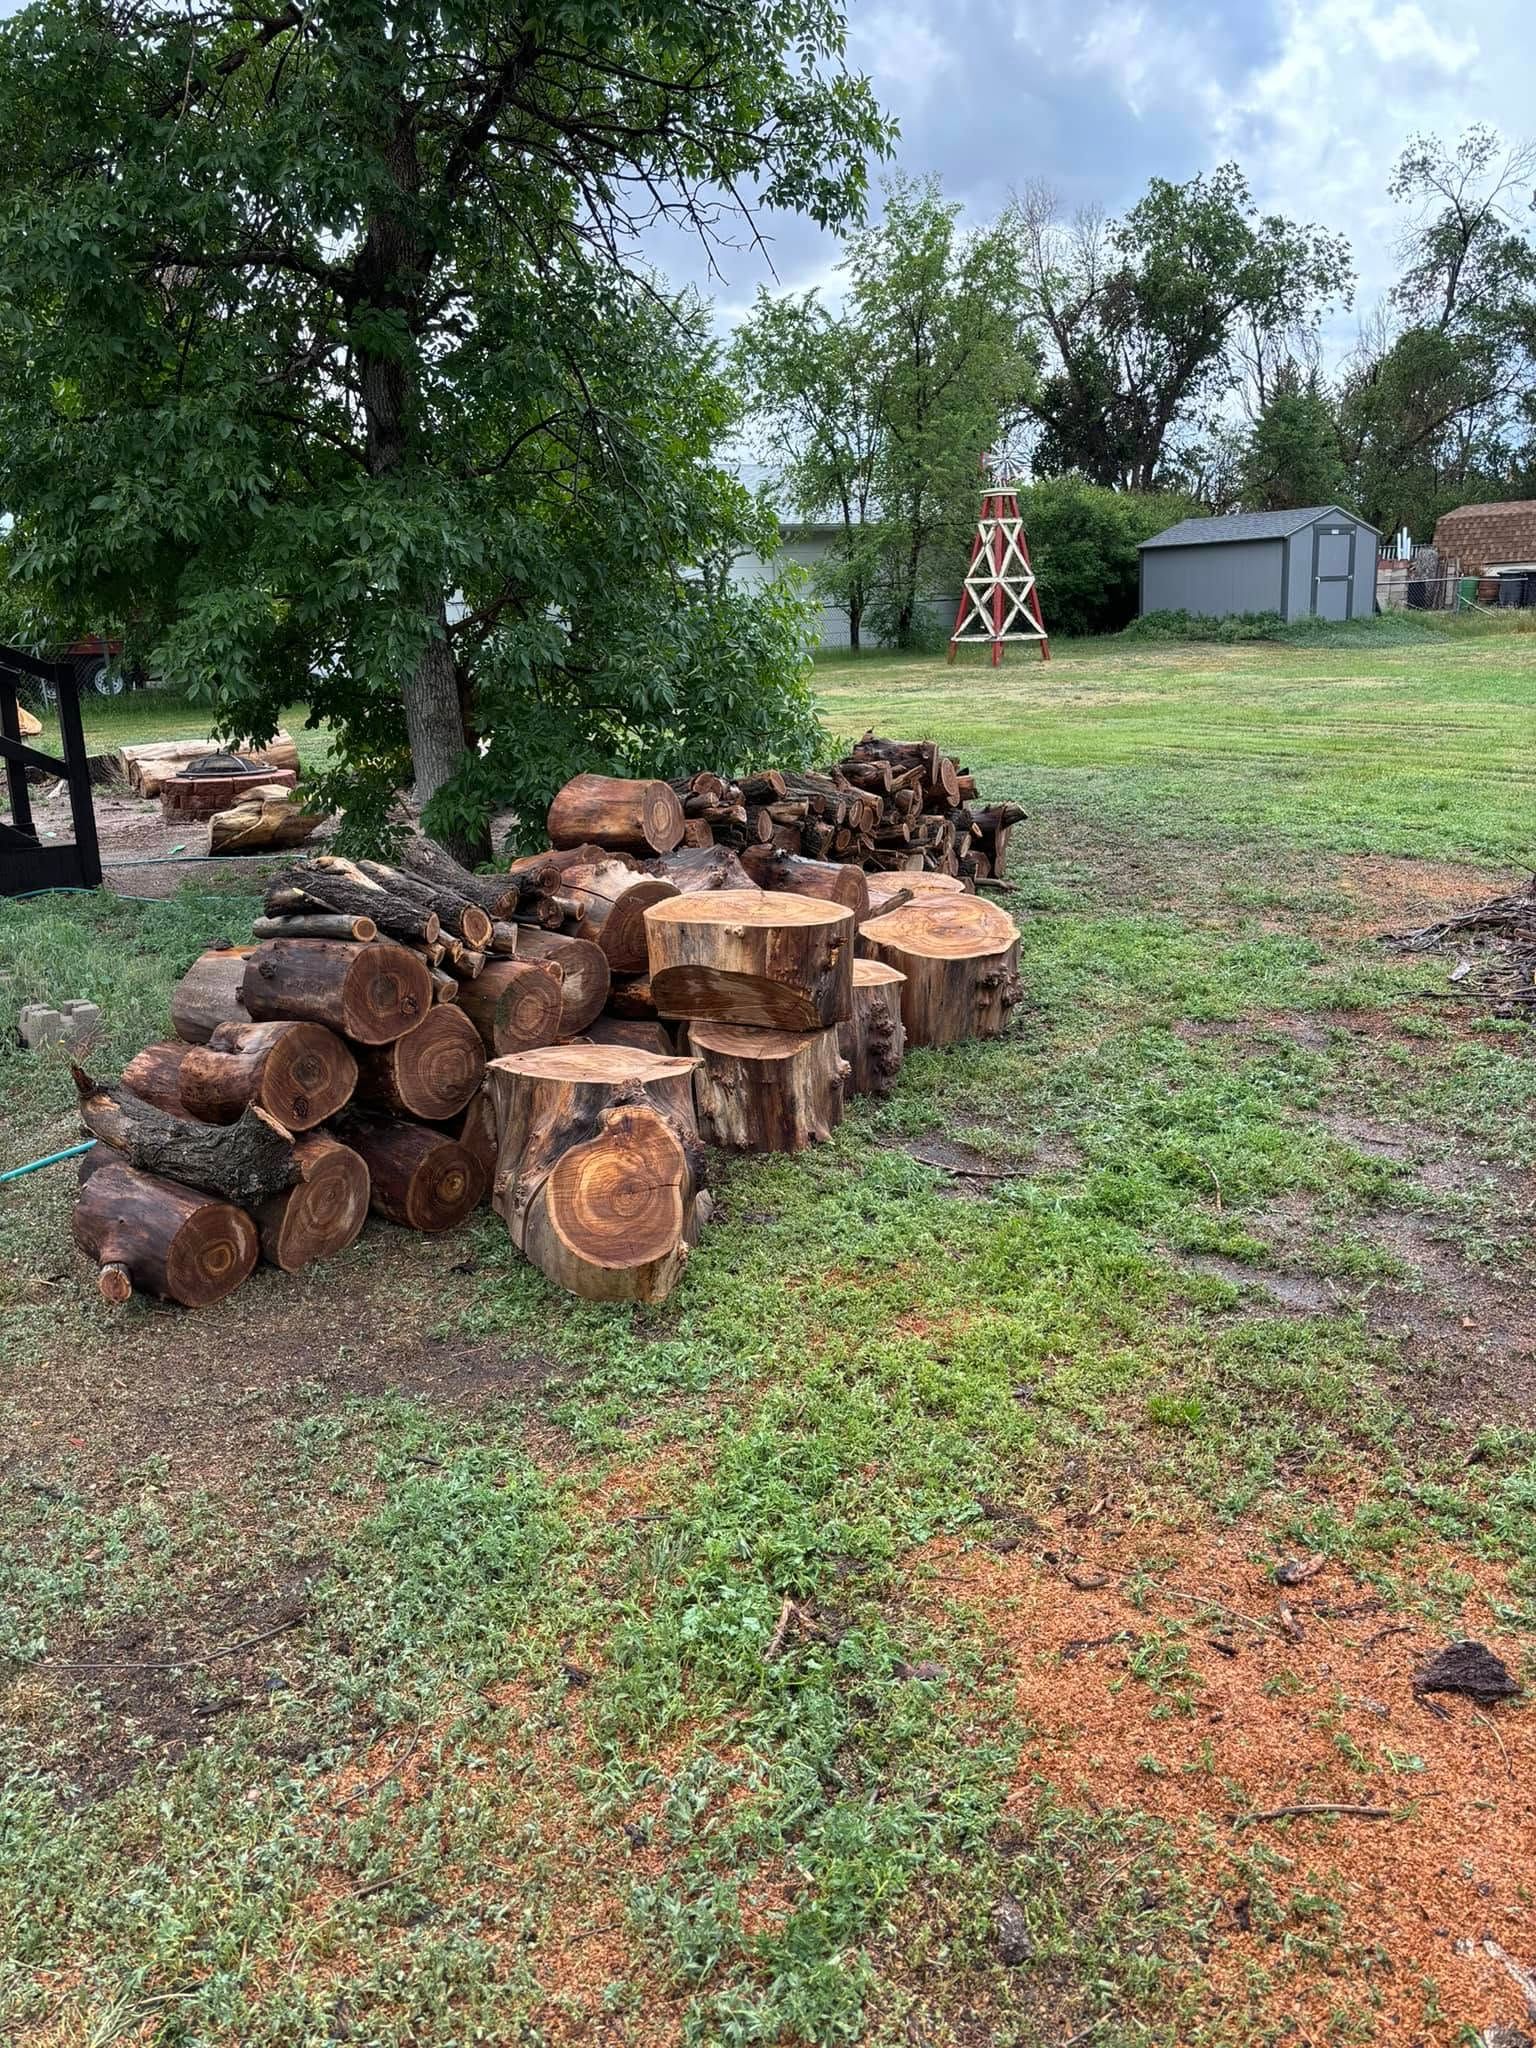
(39,1024)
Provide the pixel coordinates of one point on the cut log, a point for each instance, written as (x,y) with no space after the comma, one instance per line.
(874,1039)
(585,974)
(599,1167)
(320,924)
(634,1032)
(322,1215)
(613,898)
(147,766)
(496,894)
(884,890)
(266,819)
(766,1091)
(151,1234)
(632,998)
(418,1177)
(828,881)
(457,911)
(155,1074)
(476,1132)
(372,993)
(775,962)
(431,1073)
(243,1162)
(331,885)
(208,994)
(701,867)
(960,956)
(300,1074)
(514,1004)
(641,817)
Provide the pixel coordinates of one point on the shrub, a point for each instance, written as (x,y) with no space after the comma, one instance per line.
(1178,625)
(1083,542)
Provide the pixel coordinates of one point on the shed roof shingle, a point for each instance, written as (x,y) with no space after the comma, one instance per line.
(1245,526)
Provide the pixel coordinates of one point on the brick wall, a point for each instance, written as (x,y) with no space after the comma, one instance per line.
(1476,535)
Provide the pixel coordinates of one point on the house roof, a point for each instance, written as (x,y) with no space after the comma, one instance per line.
(1193,533)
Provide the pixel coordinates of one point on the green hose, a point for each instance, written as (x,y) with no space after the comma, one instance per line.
(69,1152)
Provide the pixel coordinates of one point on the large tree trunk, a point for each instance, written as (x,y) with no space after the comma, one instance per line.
(161,1238)
(637,817)
(599,1167)
(766,1091)
(775,962)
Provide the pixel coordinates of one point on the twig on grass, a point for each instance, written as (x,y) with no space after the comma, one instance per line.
(776,1640)
(1248,1820)
(172,1663)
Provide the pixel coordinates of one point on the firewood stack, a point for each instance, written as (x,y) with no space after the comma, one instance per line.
(410,1037)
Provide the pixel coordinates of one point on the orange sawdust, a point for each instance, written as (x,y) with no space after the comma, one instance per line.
(645,1485)
(1273,1720)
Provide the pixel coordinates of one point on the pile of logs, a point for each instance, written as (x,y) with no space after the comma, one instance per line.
(888,806)
(564,1037)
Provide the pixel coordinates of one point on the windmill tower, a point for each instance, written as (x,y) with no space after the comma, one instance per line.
(998,599)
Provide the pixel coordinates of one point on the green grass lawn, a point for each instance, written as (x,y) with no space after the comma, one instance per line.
(882,1641)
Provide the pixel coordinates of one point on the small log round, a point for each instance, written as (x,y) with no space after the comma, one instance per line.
(766,1091)
(155,1074)
(298,1073)
(776,962)
(585,976)
(418,1177)
(960,955)
(874,1039)
(639,817)
(372,993)
(160,1238)
(828,881)
(208,994)
(431,1073)
(322,1215)
(614,900)
(513,1004)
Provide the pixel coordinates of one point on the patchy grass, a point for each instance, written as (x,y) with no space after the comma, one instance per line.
(883,1639)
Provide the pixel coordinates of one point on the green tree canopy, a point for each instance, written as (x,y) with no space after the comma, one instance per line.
(312,322)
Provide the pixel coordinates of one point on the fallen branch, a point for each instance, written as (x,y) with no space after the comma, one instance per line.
(1308,1810)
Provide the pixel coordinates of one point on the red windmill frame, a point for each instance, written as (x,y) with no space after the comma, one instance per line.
(999,600)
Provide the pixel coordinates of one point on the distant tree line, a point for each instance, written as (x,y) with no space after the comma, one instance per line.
(1163,362)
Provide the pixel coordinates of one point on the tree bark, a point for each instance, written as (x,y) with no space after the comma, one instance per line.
(164,1239)
(766,1091)
(322,1215)
(431,1073)
(243,1162)
(639,817)
(960,957)
(774,962)
(300,1074)
(371,993)
(874,1039)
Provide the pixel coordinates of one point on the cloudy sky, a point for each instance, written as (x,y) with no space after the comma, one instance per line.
(1313,97)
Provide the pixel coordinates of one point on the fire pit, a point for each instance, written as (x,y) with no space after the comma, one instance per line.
(215,781)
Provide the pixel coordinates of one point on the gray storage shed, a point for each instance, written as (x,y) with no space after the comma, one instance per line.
(1316,562)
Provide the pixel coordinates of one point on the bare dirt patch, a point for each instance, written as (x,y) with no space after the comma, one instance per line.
(1196,1717)
(1392,893)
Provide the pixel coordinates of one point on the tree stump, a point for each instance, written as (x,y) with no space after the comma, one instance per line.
(635,1032)
(828,881)
(585,976)
(599,1167)
(874,1039)
(766,1091)
(322,1215)
(418,1177)
(960,956)
(513,1004)
(774,962)
(208,994)
(155,1074)
(640,817)
(614,899)
(431,1073)
(372,993)
(160,1238)
(300,1074)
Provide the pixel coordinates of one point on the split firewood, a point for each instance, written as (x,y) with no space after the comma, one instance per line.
(642,817)
(766,1091)
(874,1039)
(209,994)
(431,1073)
(635,1032)
(775,962)
(320,924)
(609,899)
(150,1234)
(829,881)
(585,974)
(420,1178)
(300,1074)
(599,1167)
(371,993)
(267,819)
(514,1004)
(960,956)
(321,1216)
(327,886)
(155,1074)
(243,1162)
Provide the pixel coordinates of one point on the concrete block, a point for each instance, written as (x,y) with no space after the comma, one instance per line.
(39,1024)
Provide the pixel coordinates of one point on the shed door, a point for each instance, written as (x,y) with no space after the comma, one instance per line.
(1333,568)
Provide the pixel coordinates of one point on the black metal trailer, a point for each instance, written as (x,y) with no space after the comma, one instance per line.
(25,862)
